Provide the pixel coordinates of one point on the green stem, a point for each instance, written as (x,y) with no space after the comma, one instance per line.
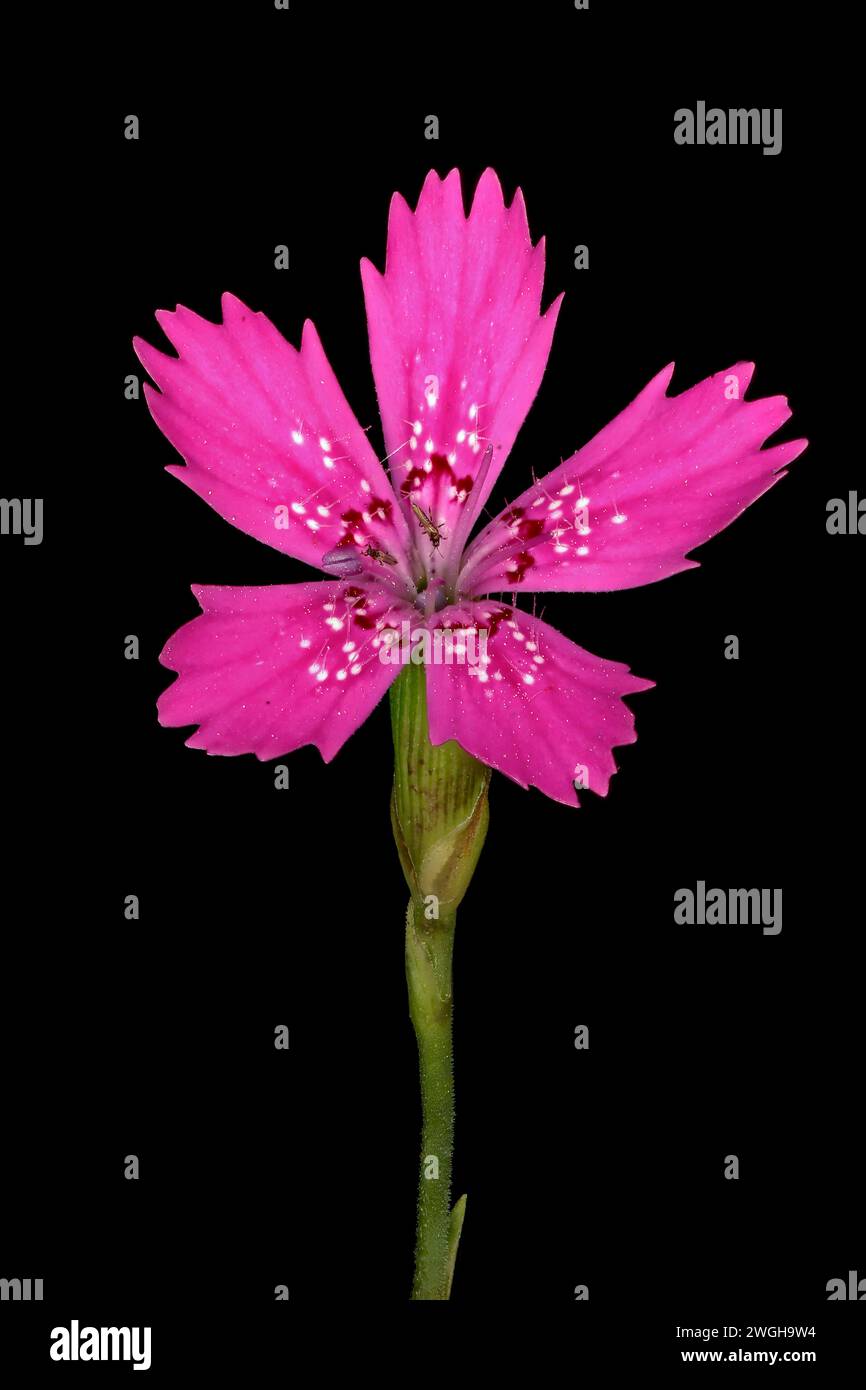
(439,815)
(429,947)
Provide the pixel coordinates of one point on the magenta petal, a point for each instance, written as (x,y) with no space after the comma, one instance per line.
(265,670)
(542,710)
(626,509)
(268,437)
(457,345)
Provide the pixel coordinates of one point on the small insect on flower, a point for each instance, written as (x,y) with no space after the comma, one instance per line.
(374,553)
(432,529)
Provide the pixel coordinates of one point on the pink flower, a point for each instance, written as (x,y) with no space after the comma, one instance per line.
(458,347)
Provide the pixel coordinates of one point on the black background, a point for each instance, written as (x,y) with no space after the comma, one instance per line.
(261,907)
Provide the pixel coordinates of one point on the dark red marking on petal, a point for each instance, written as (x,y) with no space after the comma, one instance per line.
(380,508)
(519,565)
(527,528)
